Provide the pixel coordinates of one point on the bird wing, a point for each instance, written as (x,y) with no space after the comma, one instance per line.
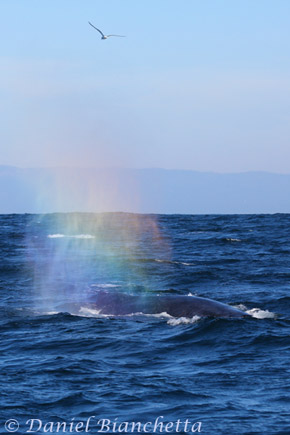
(96,28)
(120,36)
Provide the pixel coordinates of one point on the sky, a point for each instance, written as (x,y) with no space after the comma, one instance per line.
(196,84)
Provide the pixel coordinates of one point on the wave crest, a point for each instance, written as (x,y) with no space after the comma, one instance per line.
(75,236)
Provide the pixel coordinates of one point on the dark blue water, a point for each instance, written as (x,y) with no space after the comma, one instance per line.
(232,375)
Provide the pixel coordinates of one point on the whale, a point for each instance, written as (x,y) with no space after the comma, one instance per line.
(122,304)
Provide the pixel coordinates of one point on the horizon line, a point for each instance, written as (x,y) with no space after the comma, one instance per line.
(258,171)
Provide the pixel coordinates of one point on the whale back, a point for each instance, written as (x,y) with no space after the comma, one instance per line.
(177,306)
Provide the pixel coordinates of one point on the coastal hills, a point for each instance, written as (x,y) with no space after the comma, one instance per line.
(47,190)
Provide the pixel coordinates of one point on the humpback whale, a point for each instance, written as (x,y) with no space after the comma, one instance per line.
(118,304)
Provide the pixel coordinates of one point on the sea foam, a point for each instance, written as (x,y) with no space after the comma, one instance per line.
(257,313)
(182,320)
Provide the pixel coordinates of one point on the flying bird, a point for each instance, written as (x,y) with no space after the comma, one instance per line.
(104,36)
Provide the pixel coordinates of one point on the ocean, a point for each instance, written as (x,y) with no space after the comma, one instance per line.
(80,371)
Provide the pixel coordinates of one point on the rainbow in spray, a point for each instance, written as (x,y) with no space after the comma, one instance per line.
(73,254)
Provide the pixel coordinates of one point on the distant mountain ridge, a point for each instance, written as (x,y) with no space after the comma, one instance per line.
(47,190)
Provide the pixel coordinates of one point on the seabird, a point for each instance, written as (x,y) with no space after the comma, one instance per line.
(104,36)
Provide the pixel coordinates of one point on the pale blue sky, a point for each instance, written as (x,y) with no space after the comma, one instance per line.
(196,84)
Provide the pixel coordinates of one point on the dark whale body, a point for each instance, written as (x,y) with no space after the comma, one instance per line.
(119,304)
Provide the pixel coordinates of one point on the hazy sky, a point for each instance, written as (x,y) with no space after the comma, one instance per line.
(196,84)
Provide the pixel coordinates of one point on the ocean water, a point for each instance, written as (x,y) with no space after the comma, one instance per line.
(78,371)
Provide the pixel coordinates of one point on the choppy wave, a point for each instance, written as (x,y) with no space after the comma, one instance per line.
(230,239)
(158,260)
